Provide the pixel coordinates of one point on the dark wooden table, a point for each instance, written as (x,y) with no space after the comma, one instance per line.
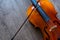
(12,15)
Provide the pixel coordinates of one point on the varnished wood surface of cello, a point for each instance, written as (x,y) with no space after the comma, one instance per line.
(38,21)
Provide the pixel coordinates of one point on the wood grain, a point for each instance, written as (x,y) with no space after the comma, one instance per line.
(28,32)
(12,15)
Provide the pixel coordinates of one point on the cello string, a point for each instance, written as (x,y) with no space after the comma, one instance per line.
(24,22)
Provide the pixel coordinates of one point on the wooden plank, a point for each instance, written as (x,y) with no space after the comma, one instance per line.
(28,32)
(12,15)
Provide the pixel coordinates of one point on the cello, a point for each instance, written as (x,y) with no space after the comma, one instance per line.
(43,16)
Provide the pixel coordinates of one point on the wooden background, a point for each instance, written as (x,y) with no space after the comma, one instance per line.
(12,15)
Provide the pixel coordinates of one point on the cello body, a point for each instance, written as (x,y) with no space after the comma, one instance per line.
(39,22)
